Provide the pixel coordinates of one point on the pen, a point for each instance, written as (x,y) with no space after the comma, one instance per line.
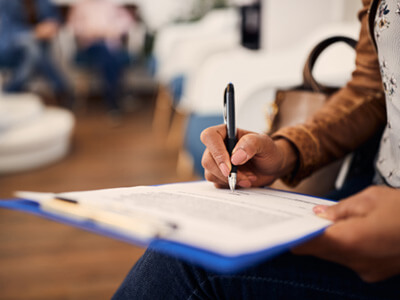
(229,117)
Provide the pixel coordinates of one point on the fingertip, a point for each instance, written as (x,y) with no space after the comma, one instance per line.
(239,157)
(252,178)
(224,169)
(244,183)
(320,211)
(210,132)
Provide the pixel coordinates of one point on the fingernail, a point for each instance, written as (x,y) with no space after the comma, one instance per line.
(224,169)
(239,156)
(252,178)
(320,210)
(244,183)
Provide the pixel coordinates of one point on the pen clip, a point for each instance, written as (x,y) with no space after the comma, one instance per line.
(225,106)
(229,111)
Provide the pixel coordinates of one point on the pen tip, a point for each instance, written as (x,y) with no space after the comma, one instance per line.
(232,181)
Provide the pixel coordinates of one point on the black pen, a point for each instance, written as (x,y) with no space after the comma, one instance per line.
(229,117)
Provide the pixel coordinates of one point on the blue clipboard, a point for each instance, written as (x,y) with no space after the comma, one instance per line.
(209,260)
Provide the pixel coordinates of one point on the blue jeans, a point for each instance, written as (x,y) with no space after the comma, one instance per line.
(25,58)
(110,63)
(157,276)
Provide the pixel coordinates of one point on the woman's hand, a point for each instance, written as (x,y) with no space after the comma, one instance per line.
(365,236)
(260,160)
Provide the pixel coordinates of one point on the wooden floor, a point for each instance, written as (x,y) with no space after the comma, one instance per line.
(40,259)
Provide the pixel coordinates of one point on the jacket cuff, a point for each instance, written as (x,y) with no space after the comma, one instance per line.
(307,147)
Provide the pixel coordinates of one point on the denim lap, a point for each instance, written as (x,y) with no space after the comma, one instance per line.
(158,276)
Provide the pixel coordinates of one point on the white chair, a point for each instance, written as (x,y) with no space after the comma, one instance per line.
(250,70)
(16,109)
(32,135)
(180,49)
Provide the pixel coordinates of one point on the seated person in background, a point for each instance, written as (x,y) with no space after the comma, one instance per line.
(99,27)
(358,257)
(26,29)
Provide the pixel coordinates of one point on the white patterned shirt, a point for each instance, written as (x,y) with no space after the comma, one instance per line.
(387,35)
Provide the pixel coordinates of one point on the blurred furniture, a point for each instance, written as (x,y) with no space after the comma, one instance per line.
(179,50)
(32,135)
(256,75)
(250,70)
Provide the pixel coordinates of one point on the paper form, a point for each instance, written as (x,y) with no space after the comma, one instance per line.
(247,220)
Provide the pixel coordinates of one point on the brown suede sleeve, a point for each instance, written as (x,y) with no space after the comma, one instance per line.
(350,117)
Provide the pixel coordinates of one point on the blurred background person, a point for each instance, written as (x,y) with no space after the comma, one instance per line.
(26,30)
(100,28)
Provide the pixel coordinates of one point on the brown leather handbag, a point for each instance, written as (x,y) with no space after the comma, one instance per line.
(295,105)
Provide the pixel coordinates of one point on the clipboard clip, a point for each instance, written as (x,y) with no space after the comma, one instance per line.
(140,225)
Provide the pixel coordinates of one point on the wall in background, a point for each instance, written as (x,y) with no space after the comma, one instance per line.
(286,21)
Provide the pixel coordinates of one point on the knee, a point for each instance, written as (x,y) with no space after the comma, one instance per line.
(152,277)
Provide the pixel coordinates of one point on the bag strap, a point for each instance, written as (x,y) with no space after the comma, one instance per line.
(309,83)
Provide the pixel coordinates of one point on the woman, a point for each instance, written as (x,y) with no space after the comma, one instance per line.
(100,46)
(358,257)
(26,29)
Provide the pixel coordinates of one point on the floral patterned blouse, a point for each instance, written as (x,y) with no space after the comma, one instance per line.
(387,36)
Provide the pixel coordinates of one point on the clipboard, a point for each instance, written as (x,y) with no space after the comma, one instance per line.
(205,258)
